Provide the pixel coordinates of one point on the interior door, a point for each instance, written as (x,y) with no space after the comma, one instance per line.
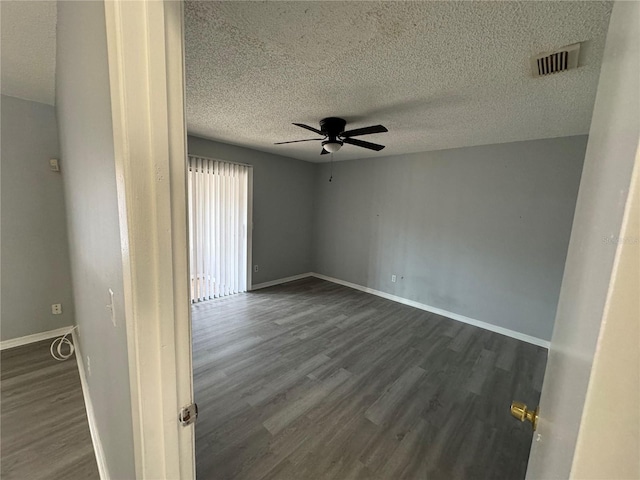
(596,236)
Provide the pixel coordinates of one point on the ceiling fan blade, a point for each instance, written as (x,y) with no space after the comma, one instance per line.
(364,131)
(296,141)
(360,143)
(324,152)
(309,128)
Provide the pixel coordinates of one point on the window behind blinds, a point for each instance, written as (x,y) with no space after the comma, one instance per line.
(218,227)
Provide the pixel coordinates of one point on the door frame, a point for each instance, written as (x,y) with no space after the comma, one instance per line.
(146,74)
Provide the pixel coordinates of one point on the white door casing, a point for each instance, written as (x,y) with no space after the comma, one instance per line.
(609,439)
(146,75)
(604,189)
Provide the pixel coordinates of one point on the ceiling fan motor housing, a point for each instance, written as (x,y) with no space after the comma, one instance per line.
(333,126)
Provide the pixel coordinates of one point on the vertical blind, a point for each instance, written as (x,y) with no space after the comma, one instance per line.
(218,221)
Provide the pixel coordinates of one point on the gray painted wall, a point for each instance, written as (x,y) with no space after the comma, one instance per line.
(282,207)
(35,256)
(480,232)
(86,143)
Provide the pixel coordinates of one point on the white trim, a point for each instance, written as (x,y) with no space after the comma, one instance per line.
(93,426)
(438,311)
(412,303)
(177,133)
(146,78)
(279,281)
(36,337)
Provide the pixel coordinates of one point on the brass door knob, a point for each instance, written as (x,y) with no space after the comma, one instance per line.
(522,413)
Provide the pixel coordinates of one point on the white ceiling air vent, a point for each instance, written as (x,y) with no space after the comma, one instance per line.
(564,58)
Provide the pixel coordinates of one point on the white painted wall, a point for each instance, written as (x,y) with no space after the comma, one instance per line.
(481,232)
(35,255)
(604,188)
(87,150)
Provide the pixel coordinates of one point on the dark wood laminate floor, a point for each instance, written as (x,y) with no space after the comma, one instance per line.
(44,429)
(312,380)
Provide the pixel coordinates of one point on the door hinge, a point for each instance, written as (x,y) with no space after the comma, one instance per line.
(188,414)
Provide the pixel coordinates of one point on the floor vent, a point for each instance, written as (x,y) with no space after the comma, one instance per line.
(563,59)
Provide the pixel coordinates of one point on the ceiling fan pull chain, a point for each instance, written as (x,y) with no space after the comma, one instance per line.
(331,167)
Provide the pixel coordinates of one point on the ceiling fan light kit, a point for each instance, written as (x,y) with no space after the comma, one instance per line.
(334,135)
(331,147)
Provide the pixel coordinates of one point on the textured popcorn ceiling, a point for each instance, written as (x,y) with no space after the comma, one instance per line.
(436,74)
(28,60)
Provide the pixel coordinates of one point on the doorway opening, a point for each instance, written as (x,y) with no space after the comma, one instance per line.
(219,228)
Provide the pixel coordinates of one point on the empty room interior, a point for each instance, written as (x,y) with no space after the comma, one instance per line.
(385,204)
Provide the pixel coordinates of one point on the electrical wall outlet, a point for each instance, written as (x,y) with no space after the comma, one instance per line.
(88,366)
(255,268)
(54,165)
(56,309)
(393,278)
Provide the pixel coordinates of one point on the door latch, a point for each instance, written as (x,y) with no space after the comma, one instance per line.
(522,413)
(188,414)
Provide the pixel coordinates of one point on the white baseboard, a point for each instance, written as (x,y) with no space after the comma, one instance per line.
(258,286)
(93,427)
(36,337)
(454,316)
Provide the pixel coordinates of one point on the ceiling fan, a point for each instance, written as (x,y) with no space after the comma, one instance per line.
(334,135)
